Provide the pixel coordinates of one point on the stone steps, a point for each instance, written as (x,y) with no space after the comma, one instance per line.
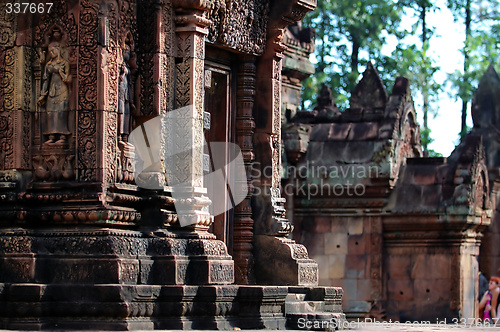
(314,308)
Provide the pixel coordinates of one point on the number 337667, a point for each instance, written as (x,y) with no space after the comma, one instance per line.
(28,7)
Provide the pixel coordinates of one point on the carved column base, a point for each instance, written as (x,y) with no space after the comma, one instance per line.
(102,256)
(281,261)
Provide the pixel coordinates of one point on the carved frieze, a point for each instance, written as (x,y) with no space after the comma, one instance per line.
(240,24)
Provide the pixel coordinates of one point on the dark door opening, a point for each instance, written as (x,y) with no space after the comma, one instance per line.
(219,103)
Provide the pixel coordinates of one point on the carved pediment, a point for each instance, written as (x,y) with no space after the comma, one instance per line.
(471,175)
(370,92)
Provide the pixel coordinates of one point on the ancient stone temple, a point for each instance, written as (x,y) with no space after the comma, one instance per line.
(398,232)
(94,237)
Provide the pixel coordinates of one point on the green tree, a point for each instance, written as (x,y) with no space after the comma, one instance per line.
(481,47)
(348,35)
(414,62)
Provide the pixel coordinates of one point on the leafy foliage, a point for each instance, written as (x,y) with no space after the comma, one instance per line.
(351,33)
(481,47)
(348,35)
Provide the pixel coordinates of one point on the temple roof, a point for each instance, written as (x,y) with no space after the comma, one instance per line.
(454,185)
(376,131)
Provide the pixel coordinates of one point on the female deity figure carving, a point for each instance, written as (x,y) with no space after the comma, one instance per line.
(126,108)
(55,95)
(126,105)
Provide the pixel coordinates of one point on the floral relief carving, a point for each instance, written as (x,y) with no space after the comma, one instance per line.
(59,16)
(8,80)
(8,26)
(2,76)
(184,43)
(110,153)
(87,159)
(6,143)
(199,91)
(87,92)
(167,57)
(146,14)
(183,83)
(26,139)
(87,60)
(308,274)
(27,82)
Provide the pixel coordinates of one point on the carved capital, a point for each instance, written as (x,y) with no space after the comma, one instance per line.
(283,15)
(192,21)
(300,9)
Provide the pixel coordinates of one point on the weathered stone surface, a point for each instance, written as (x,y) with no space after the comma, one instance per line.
(294,265)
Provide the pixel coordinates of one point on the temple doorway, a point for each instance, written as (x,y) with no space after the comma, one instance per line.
(220,104)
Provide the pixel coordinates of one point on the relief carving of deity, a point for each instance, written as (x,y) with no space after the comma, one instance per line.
(126,102)
(127,77)
(55,93)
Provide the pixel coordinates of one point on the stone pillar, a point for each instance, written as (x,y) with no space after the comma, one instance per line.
(245,126)
(184,129)
(278,259)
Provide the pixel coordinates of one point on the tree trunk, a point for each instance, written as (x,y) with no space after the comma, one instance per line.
(425,92)
(465,98)
(354,63)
